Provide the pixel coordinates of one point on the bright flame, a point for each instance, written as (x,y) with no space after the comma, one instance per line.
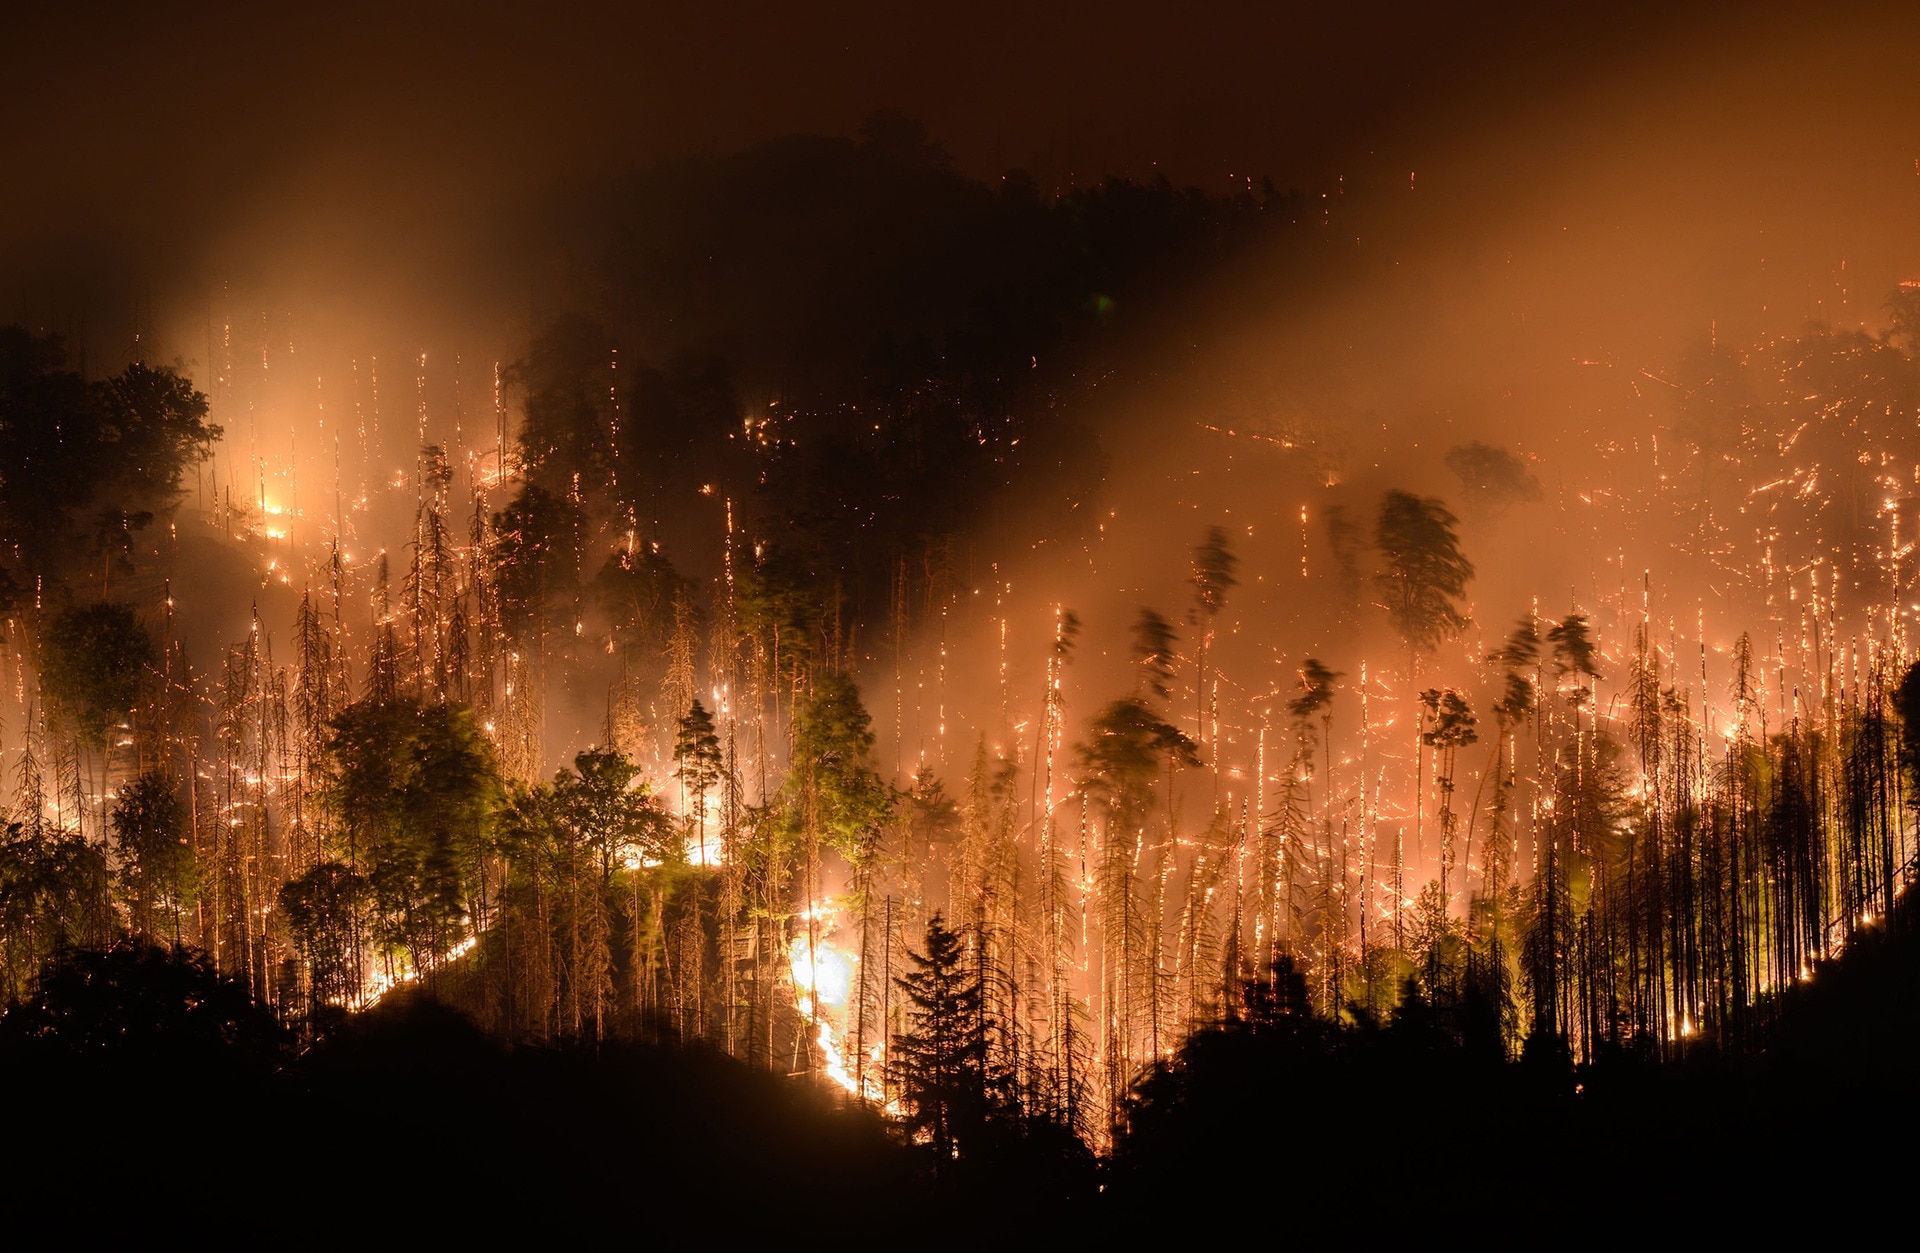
(822,979)
(821,974)
(379,983)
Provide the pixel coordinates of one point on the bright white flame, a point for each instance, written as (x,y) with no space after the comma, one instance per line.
(822,979)
(821,974)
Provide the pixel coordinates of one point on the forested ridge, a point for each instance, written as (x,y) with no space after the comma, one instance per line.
(1467,900)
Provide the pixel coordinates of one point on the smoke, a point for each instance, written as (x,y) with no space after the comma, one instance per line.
(1513,230)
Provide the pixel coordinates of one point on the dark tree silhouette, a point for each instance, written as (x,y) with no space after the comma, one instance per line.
(93,659)
(1491,478)
(940,1064)
(1153,644)
(324,909)
(84,465)
(1424,572)
(133,1006)
(157,873)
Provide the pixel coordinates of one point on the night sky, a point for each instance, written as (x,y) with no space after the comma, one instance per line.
(152,151)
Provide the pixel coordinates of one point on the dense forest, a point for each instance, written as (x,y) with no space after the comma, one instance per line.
(1522,871)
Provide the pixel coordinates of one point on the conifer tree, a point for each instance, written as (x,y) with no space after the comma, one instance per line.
(157,873)
(940,1063)
(1423,575)
(1213,577)
(1424,572)
(697,764)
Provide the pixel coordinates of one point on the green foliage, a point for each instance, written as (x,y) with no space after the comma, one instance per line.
(323,908)
(598,807)
(158,873)
(932,815)
(1424,572)
(1436,936)
(783,604)
(597,813)
(696,750)
(833,748)
(152,426)
(93,660)
(53,896)
(85,464)
(413,786)
(698,763)
(564,845)
(607,812)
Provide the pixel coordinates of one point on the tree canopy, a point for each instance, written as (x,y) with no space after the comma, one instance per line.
(413,785)
(84,465)
(1424,573)
(93,660)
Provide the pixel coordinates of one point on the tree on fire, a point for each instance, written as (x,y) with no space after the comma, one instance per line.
(1639,894)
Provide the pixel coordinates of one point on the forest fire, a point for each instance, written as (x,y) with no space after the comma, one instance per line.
(1085,681)
(822,978)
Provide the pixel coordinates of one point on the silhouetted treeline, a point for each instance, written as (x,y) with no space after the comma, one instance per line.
(1416,1119)
(908,347)
(146,1088)
(143,1082)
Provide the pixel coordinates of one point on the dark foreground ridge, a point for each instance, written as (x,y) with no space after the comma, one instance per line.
(147,1092)
(1281,1105)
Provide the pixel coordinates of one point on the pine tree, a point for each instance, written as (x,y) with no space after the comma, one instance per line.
(939,1064)
(1213,578)
(1423,575)
(698,766)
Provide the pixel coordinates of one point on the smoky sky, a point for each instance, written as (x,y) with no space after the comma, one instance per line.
(1541,207)
(404,148)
